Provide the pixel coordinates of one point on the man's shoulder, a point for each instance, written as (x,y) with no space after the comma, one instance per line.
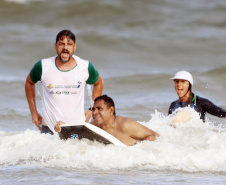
(48,62)
(80,61)
(49,59)
(123,119)
(125,122)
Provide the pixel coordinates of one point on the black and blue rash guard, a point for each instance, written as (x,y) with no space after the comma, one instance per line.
(201,105)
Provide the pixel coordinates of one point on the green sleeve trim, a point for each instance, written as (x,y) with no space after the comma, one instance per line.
(194,99)
(36,72)
(93,74)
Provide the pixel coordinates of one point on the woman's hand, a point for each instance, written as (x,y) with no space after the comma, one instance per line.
(182,117)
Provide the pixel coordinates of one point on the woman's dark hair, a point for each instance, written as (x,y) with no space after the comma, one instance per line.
(191,96)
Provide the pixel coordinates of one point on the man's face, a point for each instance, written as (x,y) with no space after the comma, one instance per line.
(65,48)
(181,87)
(101,113)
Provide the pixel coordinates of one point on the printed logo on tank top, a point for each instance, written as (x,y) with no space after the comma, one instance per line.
(50,86)
(64,89)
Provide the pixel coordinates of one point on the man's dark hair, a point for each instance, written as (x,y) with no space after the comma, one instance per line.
(66,33)
(107,100)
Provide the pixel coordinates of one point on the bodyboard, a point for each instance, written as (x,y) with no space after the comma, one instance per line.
(87,131)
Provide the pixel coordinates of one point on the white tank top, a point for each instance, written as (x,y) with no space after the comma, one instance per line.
(63,92)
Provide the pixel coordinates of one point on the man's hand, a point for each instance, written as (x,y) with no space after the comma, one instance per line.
(153,137)
(57,127)
(37,119)
(88,115)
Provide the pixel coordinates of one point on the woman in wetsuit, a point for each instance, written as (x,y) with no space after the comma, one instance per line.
(183,86)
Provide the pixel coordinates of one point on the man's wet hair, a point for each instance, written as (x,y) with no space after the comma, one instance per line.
(107,100)
(66,33)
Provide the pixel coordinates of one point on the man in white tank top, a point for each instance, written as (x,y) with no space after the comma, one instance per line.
(63,80)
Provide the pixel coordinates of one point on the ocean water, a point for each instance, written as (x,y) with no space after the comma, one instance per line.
(137,46)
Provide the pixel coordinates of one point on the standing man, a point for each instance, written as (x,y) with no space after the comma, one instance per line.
(63,80)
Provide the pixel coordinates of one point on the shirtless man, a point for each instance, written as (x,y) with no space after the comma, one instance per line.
(124,129)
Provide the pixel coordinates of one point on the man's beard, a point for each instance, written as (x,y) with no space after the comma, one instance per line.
(64,61)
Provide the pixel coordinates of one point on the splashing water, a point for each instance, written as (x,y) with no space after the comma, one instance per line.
(89,88)
(193,147)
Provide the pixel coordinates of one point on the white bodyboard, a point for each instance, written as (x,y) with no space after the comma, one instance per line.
(88,131)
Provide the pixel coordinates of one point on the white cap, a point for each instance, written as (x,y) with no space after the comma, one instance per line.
(183,75)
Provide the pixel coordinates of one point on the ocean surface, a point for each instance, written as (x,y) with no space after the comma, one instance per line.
(137,46)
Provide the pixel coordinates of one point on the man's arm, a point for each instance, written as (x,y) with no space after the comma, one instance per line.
(30,94)
(138,131)
(98,87)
